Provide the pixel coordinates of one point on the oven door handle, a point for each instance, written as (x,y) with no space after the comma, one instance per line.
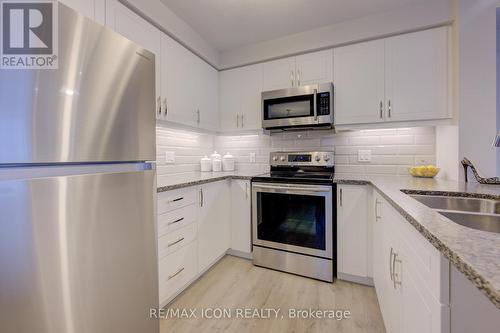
(291,188)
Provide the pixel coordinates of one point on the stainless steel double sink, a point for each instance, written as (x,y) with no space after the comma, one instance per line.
(476,213)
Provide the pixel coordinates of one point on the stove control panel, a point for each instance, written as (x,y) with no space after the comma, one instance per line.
(317,158)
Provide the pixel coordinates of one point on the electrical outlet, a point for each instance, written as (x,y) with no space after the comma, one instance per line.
(364,155)
(170,157)
(252,158)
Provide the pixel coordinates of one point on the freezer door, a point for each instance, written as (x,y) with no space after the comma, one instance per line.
(98,106)
(78,254)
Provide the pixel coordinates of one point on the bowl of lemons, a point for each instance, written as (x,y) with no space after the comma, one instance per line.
(424,171)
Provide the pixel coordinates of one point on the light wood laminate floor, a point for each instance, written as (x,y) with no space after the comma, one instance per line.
(235,283)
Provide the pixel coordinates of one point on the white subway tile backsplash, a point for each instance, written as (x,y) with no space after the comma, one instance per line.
(397,139)
(393,150)
(364,140)
(417,150)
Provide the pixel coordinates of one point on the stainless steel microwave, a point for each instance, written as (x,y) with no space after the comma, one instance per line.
(301,107)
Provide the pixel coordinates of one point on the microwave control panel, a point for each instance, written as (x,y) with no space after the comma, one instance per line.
(323,104)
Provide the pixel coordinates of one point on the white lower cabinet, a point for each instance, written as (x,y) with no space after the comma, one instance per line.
(193,233)
(176,270)
(411,277)
(213,223)
(241,224)
(352,231)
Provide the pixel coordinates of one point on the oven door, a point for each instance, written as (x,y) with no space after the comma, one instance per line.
(295,218)
(290,107)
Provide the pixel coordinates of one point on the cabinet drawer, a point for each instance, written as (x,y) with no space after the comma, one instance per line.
(176,219)
(175,240)
(168,201)
(176,270)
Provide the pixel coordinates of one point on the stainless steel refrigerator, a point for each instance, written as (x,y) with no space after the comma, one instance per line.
(77,189)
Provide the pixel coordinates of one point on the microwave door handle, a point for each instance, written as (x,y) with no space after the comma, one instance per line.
(315,106)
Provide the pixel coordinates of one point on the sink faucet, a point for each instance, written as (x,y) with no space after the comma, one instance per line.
(466,163)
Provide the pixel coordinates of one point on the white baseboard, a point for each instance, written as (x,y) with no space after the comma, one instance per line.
(241,254)
(368,281)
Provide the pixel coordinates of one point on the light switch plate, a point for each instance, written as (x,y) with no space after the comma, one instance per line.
(252,158)
(170,157)
(364,155)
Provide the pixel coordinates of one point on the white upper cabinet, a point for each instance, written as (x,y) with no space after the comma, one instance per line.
(416,79)
(402,78)
(240,98)
(310,68)
(208,91)
(279,74)
(130,25)
(189,87)
(178,83)
(358,78)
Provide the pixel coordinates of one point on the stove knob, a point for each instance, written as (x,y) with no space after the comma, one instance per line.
(275,158)
(282,158)
(326,158)
(318,158)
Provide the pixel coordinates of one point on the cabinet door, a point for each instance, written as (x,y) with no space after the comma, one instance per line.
(130,25)
(314,68)
(213,224)
(384,247)
(179,82)
(85,7)
(279,74)
(358,78)
(377,253)
(208,93)
(230,99)
(417,71)
(417,298)
(352,230)
(240,98)
(241,235)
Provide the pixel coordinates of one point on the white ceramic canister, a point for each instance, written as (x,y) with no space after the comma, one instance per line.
(215,156)
(206,164)
(228,162)
(216,162)
(217,165)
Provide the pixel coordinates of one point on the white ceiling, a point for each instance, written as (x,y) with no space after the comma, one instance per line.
(228,24)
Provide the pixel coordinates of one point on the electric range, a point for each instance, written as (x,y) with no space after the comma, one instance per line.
(293,215)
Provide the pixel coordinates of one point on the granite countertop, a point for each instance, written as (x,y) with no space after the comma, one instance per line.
(175,181)
(473,252)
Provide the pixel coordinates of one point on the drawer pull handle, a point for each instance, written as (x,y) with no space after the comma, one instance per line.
(175,274)
(176,221)
(178,199)
(176,242)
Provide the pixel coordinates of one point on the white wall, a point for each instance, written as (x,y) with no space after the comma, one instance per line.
(177,28)
(476,28)
(406,18)
(393,150)
(447,154)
